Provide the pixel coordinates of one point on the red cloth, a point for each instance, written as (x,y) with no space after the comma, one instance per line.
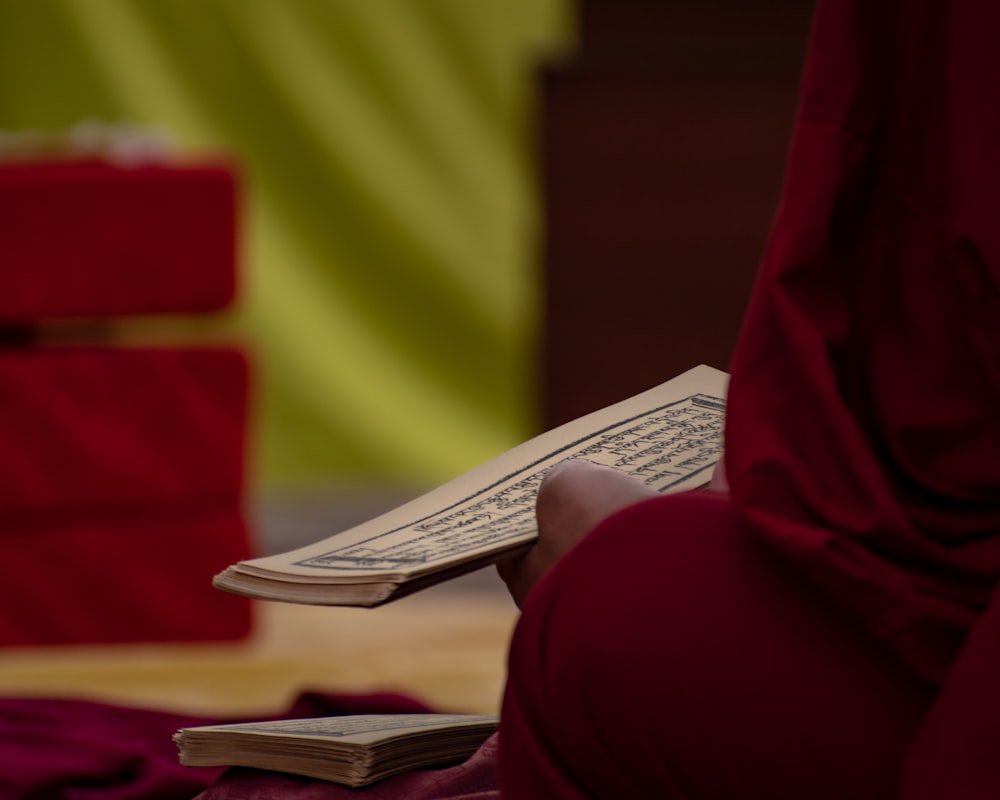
(863,452)
(473,779)
(75,750)
(671,654)
(864,421)
(863,424)
(97,427)
(91,239)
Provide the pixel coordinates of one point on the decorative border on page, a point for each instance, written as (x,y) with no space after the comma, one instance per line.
(663,446)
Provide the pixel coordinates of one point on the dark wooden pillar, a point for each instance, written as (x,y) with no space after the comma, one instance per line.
(663,142)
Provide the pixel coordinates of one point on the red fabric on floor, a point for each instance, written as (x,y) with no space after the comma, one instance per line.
(473,779)
(75,750)
(99,427)
(93,239)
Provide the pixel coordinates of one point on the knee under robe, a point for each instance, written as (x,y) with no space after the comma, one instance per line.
(829,629)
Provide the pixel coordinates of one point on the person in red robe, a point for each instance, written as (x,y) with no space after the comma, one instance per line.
(825,623)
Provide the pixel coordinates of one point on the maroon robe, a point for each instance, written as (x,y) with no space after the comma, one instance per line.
(791,641)
(864,424)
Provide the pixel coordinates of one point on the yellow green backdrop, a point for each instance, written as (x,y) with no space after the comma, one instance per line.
(389,276)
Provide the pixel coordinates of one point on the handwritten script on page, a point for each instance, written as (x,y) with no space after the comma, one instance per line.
(670,446)
(669,436)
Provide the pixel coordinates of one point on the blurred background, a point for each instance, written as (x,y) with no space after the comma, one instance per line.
(399,161)
(388,289)
(461,221)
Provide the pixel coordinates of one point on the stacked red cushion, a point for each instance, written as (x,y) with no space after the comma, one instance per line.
(121,469)
(92,239)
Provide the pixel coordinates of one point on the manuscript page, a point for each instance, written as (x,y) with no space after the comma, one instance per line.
(669,436)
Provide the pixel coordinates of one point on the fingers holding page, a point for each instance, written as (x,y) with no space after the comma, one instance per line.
(573,498)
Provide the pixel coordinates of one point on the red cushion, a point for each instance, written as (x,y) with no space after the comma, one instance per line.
(90,239)
(121,576)
(87,428)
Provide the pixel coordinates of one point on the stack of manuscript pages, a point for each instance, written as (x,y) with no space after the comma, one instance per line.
(353,750)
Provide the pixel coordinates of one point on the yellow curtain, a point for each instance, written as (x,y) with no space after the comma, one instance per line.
(389,290)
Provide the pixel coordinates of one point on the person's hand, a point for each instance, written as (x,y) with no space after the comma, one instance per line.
(574,496)
(719,482)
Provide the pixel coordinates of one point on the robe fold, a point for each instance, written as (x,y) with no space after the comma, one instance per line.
(863,455)
(864,423)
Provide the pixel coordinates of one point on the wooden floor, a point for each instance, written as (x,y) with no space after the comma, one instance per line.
(446,647)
